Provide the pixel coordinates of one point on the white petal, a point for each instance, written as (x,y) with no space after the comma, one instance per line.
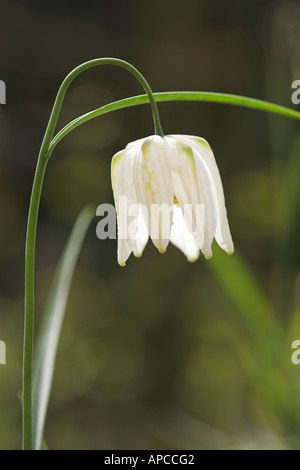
(125,199)
(181,236)
(137,230)
(124,251)
(153,184)
(192,190)
(206,157)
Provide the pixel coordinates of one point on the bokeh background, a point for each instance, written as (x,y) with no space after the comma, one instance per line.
(161,354)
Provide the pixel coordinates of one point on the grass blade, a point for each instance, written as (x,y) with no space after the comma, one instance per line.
(52,322)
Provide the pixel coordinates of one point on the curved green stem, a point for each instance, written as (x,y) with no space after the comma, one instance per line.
(44,154)
(212,97)
(29,302)
(81,68)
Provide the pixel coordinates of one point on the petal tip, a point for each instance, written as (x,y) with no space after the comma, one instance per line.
(228,248)
(193,259)
(208,255)
(160,244)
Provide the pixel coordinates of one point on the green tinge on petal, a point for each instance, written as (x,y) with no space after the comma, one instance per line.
(222,235)
(193,192)
(156,171)
(124,251)
(153,183)
(208,167)
(132,231)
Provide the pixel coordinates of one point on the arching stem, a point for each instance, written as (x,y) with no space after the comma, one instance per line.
(32,225)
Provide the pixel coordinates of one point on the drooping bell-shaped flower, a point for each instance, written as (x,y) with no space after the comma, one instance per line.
(169,188)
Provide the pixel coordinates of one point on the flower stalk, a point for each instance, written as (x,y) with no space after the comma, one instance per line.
(43,158)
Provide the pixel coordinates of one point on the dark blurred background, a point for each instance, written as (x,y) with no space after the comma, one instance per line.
(161,354)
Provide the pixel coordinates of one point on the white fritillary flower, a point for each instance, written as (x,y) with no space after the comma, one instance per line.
(169,188)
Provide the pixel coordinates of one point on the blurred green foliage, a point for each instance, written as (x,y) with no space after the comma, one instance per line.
(161,354)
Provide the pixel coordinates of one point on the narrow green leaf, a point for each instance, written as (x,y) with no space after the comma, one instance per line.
(247,295)
(49,332)
(261,340)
